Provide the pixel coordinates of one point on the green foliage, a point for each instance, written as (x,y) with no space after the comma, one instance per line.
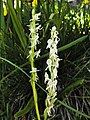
(73,25)
(2,39)
(28,107)
(76,111)
(17,25)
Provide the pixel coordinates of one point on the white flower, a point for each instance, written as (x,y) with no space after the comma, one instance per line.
(88,69)
(35,39)
(32,30)
(34,70)
(49,43)
(30,52)
(53,29)
(38,27)
(52,52)
(57,62)
(48,99)
(57,40)
(54,85)
(49,63)
(49,85)
(54,95)
(36,17)
(46,77)
(55,34)
(49,110)
(55,72)
(37,53)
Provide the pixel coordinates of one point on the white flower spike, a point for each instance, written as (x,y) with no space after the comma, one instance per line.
(52,65)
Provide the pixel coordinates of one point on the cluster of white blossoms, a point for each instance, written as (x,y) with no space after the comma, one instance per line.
(52,65)
(34,35)
(34,28)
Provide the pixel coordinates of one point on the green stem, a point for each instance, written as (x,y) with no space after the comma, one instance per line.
(33,74)
(33,85)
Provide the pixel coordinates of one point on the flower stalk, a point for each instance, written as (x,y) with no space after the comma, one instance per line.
(33,38)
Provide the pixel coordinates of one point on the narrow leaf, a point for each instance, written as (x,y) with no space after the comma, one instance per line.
(73,86)
(17,25)
(28,107)
(74,110)
(2,47)
(66,46)
(15,66)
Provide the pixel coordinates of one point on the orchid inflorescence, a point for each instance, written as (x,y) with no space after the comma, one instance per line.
(52,65)
(34,35)
(34,38)
(34,28)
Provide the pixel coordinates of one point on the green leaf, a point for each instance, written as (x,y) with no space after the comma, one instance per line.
(66,46)
(15,66)
(74,110)
(1,112)
(2,24)
(72,43)
(17,25)
(11,73)
(58,19)
(81,69)
(28,107)
(2,47)
(45,114)
(73,86)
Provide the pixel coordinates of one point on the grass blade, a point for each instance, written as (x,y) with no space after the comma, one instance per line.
(11,73)
(73,86)
(66,46)
(2,47)
(72,43)
(17,25)
(27,108)
(74,110)
(15,66)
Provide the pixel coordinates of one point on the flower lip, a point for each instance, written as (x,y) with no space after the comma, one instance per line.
(34,70)
(36,17)
(37,53)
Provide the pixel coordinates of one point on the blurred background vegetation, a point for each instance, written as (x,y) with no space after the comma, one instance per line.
(72,19)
